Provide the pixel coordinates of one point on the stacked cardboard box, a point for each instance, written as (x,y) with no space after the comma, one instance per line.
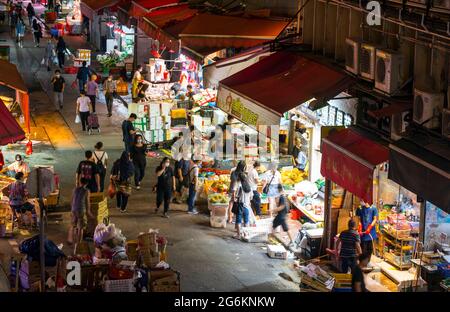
(99,208)
(164,281)
(148,253)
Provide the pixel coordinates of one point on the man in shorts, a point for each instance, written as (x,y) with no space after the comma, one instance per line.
(80,206)
(282,209)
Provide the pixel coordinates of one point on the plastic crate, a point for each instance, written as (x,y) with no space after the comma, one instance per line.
(124,285)
(444,269)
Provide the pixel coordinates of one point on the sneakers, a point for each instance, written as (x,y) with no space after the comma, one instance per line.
(123,210)
(166,215)
(194,212)
(138,187)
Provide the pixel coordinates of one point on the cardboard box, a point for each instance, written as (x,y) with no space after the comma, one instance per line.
(164,281)
(148,258)
(145,240)
(165,108)
(276,251)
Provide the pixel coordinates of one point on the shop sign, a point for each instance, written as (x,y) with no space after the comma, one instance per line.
(237,107)
(82,55)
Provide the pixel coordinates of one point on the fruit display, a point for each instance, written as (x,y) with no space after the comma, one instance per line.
(291,177)
(220,187)
(218,198)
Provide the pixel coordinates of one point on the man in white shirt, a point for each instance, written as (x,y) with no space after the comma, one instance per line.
(253,179)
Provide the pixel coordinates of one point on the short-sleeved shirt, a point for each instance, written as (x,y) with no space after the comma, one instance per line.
(165,180)
(349,238)
(17,167)
(184,165)
(91,88)
(358,277)
(58,84)
(283,202)
(17,193)
(241,196)
(276,178)
(252,178)
(127,126)
(84,102)
(366,216)
(193,173)
(83,73)
(88,169)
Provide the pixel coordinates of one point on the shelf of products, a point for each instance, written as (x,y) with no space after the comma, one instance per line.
(398,250)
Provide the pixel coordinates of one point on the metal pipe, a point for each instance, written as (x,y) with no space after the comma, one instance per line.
(314,27)
(336,34)
(431,56)
(325,28)
(422,22)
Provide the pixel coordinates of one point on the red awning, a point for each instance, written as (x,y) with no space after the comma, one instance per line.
(89,8)
(10,130)
(349,159)
(284,80)
(10,77)
(220,31)
(165,24)
(142,7)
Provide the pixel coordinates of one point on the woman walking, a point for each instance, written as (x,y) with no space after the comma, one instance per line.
(121,173)
(138,155)
(20,32)
(84,108)
(61,51)
(272,186)
(37,32)
(101,159)
(31,13)
(166,185)
(92,91)
(241,197)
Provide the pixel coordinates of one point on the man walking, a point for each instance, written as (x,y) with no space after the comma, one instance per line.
(109,88)
(88,170)
(59,84)
(83,76)
(128,132)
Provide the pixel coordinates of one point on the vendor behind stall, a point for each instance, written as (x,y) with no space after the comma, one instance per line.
(17,194)
(300,159)
(18,166)
(368,215)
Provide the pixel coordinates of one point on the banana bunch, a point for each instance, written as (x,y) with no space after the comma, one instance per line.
(218,199)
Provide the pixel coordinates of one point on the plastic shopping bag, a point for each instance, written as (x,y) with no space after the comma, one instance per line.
(77,119)
(43,61)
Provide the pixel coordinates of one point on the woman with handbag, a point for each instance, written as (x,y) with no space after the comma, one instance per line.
(272,185)
(121,173)
(242,194)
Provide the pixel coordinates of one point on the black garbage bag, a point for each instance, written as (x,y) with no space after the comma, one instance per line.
(30,247)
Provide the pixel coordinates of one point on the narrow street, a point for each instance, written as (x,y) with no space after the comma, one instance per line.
(208,259)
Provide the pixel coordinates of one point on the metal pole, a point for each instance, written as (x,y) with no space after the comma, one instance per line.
(41,231)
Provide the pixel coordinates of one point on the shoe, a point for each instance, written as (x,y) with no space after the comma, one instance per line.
(138,187)
(189,212)
(194,212)
(166,215)
(109,115)
(123,210)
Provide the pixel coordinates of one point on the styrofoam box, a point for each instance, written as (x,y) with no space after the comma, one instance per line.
(218,222)
(276,251)
(154,109)
(165,109)
(132,108)
(206,121)
(148,135)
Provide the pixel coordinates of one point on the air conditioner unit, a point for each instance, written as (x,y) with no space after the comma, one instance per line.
(446,123)
(399,123)
(352,47)
(427,108)
(388,67)
(442,4)
(367,61)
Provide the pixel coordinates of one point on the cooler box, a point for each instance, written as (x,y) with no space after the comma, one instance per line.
(276,251)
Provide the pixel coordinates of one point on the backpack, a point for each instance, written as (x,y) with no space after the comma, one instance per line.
(101,168)
(244,183)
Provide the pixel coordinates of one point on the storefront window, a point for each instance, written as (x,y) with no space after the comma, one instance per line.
(437,227)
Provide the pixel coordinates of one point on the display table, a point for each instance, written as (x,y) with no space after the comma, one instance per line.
(403,279)
(310,214)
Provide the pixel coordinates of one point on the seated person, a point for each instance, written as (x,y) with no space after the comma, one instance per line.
(18,166)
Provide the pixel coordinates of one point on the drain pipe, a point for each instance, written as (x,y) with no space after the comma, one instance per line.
(422,23)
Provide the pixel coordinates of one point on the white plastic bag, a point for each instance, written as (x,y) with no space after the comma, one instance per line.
(43,61)
(77,119)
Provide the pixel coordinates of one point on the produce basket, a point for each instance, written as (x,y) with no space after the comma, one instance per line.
(124,285)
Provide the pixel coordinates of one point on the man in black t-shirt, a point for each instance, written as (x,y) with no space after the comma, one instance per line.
(128,131)
(358,283)
(59,84)
(282,210)
(88,170)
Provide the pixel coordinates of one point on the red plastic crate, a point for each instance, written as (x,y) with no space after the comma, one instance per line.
(71,70)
